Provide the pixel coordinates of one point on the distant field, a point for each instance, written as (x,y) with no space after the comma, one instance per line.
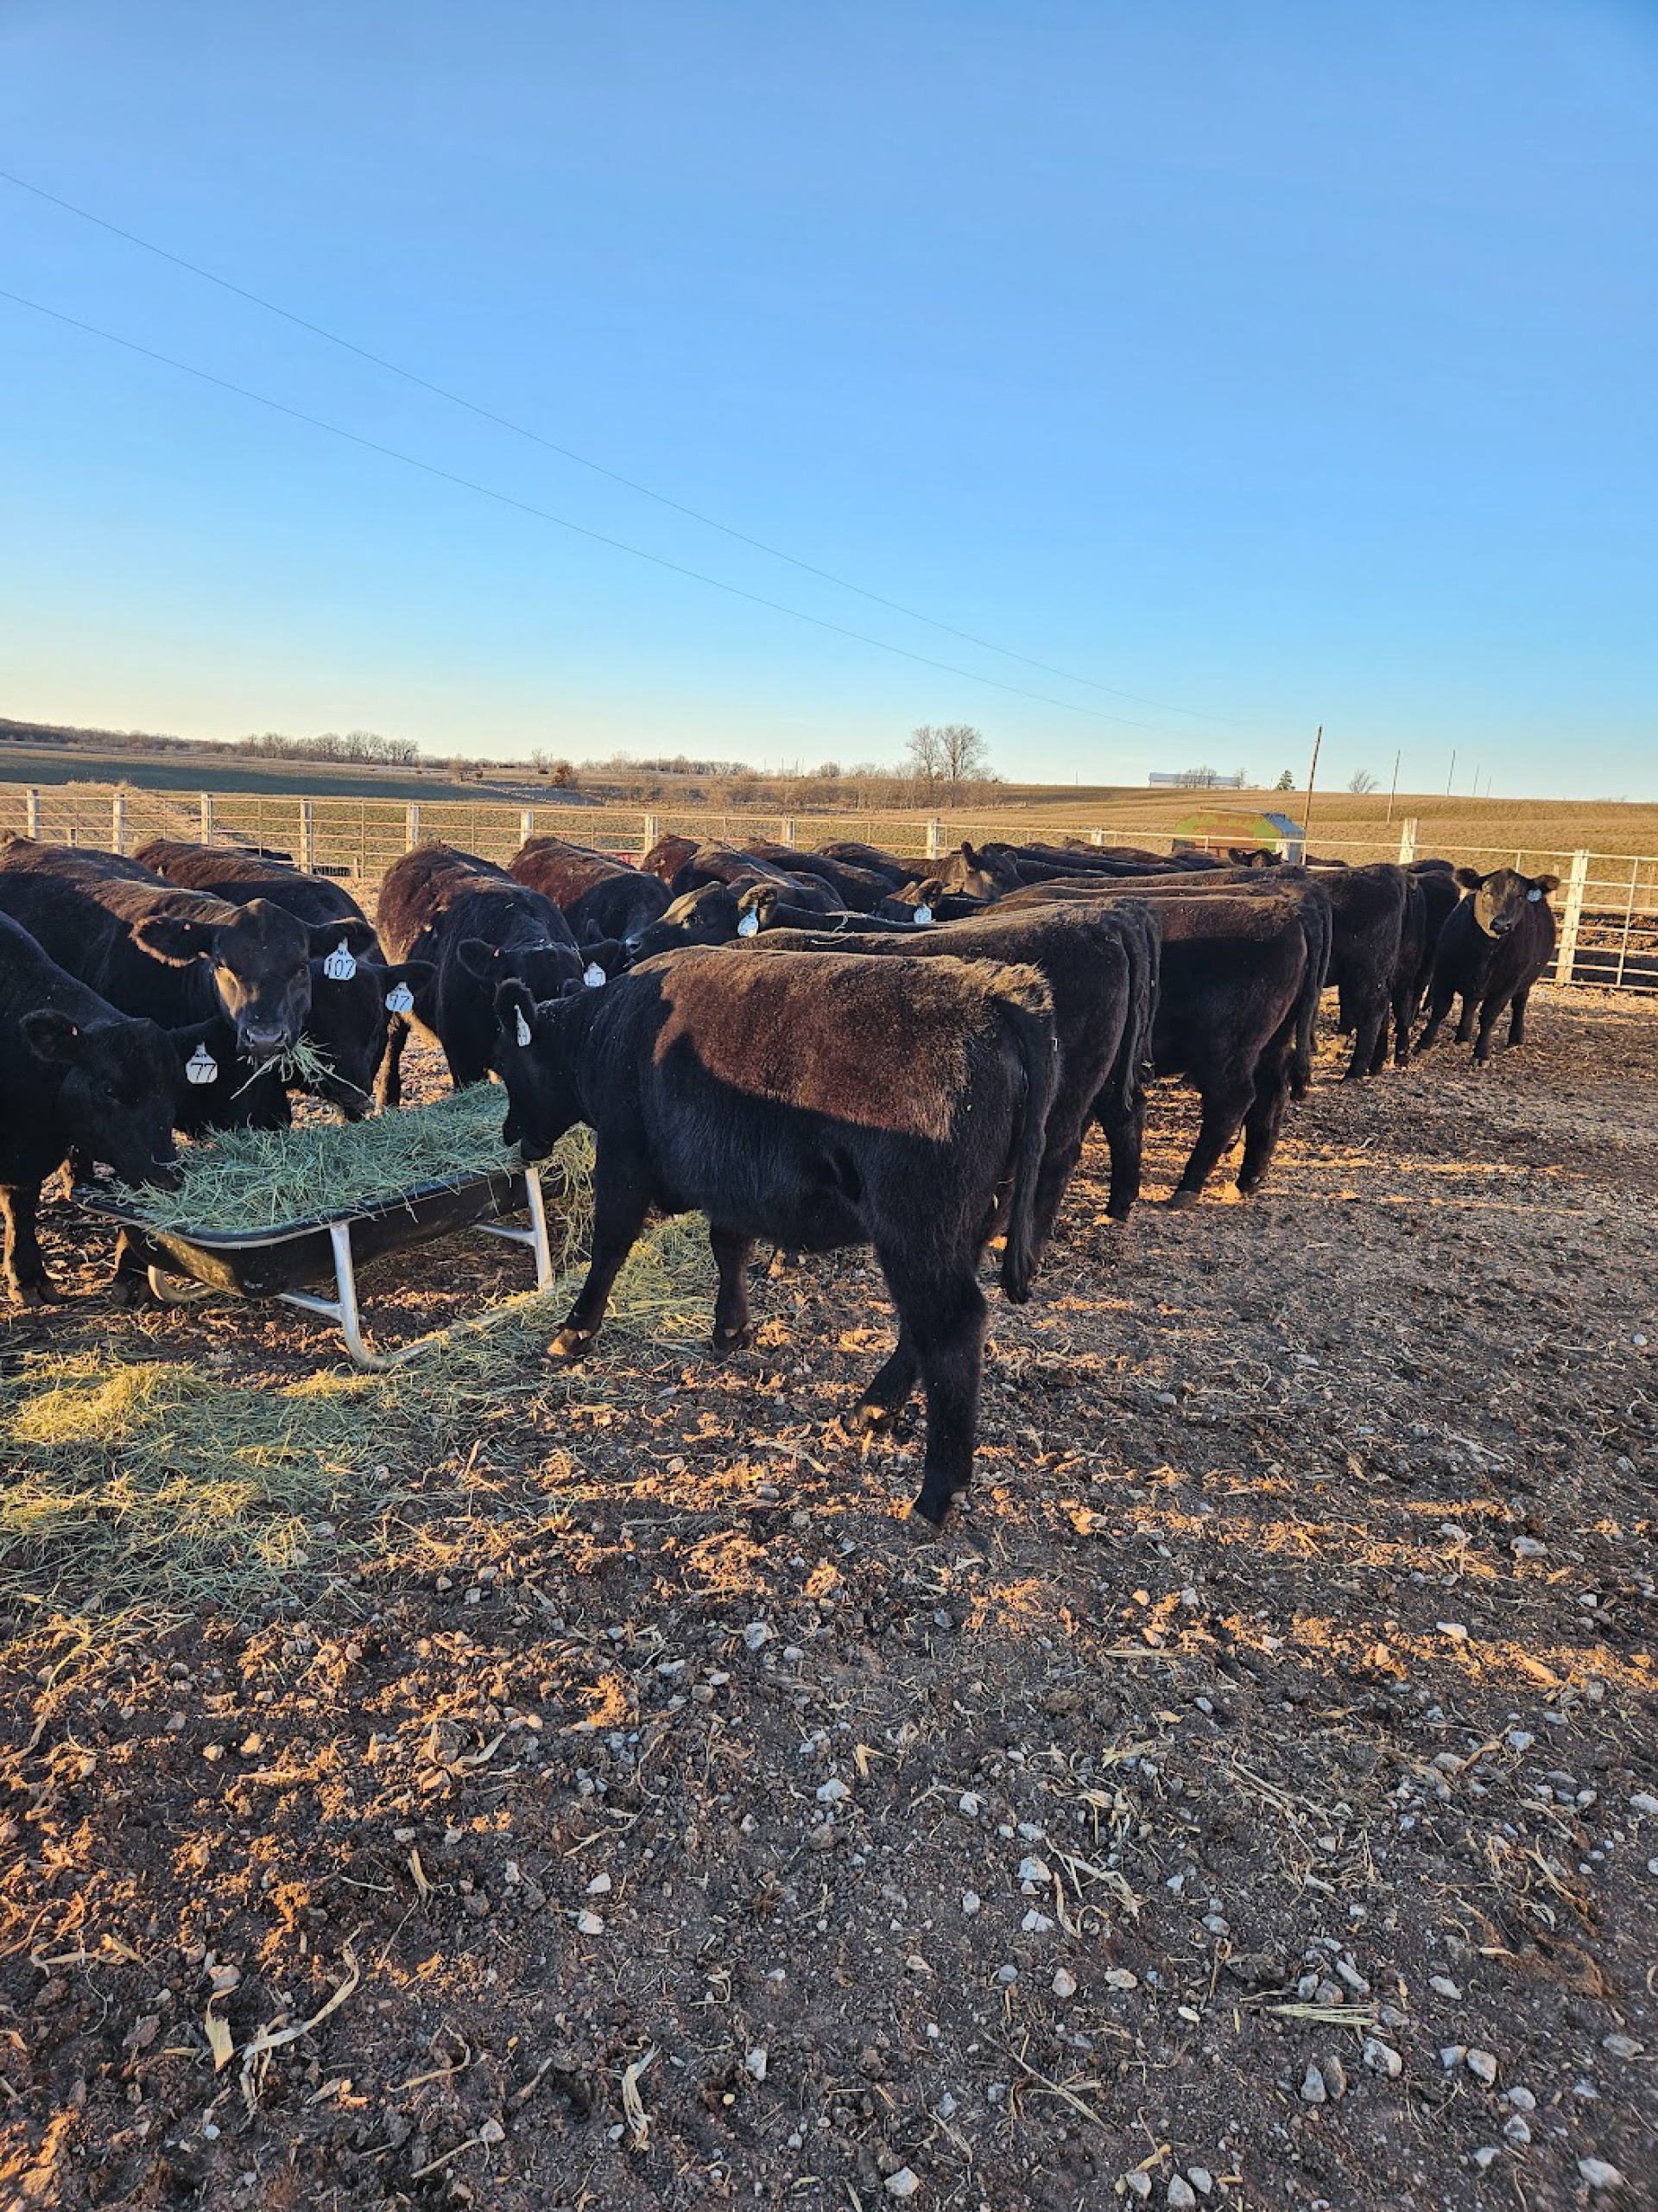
(181,772)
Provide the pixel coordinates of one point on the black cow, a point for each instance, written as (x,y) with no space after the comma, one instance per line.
(767,1095)
(719,913)
(599,897)
(350,983)
(438,899)
(76,1076)
(730,864)
(1437,881)
(894,866)
(1100,964)
(1491,950)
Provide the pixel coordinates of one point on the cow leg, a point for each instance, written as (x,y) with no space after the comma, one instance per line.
(621,1201)
(888,1389)
(1125,1137)
(1437,1007)
(25,1264)
(389,1089)
(1489,1015)
(1224,1109)
(1518,1018)
(944,1318)
(1370,1030)
(1262,1123)
(1465,1025)
(731,1253)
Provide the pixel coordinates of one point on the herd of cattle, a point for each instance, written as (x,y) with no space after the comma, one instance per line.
(915,1065)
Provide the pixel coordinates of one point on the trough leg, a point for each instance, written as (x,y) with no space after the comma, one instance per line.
(1223,1109)
(944,1318)
(732,1253)
(25,1264)
(621,1201)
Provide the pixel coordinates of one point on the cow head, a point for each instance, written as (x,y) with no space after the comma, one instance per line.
(349,1021)
(532,1061)
(706,916)
(260,960)
(1501,901)
(978,871)
(119,1085)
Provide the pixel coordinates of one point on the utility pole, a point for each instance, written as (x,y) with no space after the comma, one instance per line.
(1451,779)
(1393,788)
(1311,779)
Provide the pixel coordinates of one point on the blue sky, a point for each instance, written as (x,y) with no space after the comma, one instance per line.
(1279,364)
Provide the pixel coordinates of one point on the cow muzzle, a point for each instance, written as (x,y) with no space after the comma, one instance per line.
(260,1041)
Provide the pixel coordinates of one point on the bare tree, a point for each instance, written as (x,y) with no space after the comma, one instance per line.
(947,752)
(1361,781)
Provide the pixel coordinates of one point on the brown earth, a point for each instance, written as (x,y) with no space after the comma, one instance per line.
(665,1825)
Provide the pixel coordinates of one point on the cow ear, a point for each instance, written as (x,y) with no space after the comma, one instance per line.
(415,973)
(968,854)
(605,954)
(359,938)
(515,1009)
(1547,883)
(173,939)
(478,958)
(50,1035)
(1469,878)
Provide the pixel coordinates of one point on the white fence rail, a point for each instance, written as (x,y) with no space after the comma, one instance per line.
(1607,904)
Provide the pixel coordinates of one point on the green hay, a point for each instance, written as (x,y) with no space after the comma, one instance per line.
(162,1488)
(253,1179)
(304,1062)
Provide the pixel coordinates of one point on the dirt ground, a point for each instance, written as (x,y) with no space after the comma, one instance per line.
(1251,1800)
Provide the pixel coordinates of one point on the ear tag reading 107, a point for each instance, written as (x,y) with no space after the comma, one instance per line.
(339,967)
(594,976)
(923,914)
(201,1067)
(400,1000)
(750,925)
(1534,897)
(521,1027)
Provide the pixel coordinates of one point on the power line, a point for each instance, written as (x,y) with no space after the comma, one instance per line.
(562,522)
(599,468)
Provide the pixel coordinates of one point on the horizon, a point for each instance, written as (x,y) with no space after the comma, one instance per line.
(1286,373)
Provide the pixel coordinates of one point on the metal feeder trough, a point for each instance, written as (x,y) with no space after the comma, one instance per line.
(281,1263)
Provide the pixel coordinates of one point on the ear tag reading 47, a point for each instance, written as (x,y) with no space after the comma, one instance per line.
(594,976)
(923,914)
(201,1067)
(750,925)
(339,967)
(521,1027)
(400,1000)
(1534,897)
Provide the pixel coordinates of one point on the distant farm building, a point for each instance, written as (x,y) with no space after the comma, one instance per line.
(1213,828)
(1197,779)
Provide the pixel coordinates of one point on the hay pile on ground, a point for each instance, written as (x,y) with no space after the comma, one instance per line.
(253,1179)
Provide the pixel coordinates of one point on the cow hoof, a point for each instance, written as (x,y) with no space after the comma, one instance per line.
(571,1343)
(1178,1201)
(1247,1189)
(927,1517)
(132,1291)
(33,1294)
(732,1340)
(867,1418)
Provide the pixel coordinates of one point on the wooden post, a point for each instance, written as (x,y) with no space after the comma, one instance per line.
(412,826)
(526,824)
(308,835)
(1307,812)
(1097,837)
(788,829)
(1393,788)
(934,838)
(207,805)
(118,823)
(648,835)
(32,812)
(1572,918)
(1407,830)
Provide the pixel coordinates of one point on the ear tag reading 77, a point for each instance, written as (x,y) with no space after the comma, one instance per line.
(923,914)
(521,1027)
(1534,897)
(594,976)
(400,1000)
(750,925)
(339,967)
(201,1067)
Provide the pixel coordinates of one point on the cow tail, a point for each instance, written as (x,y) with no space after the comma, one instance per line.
(1028,1011)
(1144,947)
(1317,963)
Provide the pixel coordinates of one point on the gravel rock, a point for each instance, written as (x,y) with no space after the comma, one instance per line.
(1182,2197)
(901,2185)
(1483,2067)
(1383,2058)
(1312,2089)
(1600,2173)
(1064,1984)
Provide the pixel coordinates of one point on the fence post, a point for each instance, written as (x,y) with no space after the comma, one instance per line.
(307,836)
(1577,879)
(1097,837)
(526,824)
(934,838)
(1407,830)
(412,826)
(205,802)
(118,823)
(788,829)
(32,812)
(652,831)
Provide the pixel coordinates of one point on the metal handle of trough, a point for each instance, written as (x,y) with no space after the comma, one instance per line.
(342,1309)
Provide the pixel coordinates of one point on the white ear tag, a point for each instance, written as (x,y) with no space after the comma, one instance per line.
(400,1000)
(201,1067)
(923,914)
(339,967)
(594,976)
(1534,896)
(750,925)
(521,1027)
